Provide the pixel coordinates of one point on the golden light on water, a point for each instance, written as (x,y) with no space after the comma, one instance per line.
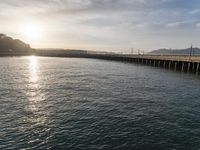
(34,93)
(33,66)
(33,83)
(36,97)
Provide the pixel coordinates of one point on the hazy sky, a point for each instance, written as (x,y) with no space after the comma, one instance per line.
(115,25)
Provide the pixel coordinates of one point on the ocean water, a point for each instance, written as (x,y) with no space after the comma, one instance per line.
(74,103)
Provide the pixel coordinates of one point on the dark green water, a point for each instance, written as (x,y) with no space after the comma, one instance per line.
(71,103)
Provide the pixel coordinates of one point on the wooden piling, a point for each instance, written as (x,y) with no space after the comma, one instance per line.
(182,69)
(188,69)
(175,66)
(169,64)
(193,66)
(197,69)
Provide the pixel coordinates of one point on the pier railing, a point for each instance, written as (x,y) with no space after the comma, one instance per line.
(184,58)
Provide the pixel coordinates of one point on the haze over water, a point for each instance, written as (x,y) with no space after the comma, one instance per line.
(72,103)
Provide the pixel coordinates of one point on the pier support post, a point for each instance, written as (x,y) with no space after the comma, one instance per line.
(182,69)
(197,69)
(169,64)
(175,66)
(188,67)
(193,66)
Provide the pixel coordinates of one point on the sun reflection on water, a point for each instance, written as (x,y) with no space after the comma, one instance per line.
(37,115)
(34,93)
(33,66)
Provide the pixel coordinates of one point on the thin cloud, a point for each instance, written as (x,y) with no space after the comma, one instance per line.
(195,11)
(98,22)
(186,24)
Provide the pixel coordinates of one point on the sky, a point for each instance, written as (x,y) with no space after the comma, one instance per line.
(108,25)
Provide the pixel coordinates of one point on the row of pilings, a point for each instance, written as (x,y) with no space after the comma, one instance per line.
(182,66)
(176,65)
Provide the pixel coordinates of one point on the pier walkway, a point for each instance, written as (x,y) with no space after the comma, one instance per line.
(183,63)
(175,62)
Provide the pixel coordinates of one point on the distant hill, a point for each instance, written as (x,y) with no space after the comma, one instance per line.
(9,45)
(187,51)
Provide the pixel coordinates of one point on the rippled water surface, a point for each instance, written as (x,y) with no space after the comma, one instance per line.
(72,103)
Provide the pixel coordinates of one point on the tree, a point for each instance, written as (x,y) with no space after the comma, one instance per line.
(10,45)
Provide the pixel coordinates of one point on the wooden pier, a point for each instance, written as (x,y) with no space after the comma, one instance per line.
(174,62)
(184,63)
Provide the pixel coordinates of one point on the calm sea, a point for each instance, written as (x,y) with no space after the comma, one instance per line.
(72,103)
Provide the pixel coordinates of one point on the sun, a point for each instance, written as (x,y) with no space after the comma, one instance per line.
(30,31)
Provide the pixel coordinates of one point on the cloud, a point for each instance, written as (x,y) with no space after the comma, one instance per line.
(142,22)
(194,11)
(182,25)
(198,25)
(80,6)
(174,24)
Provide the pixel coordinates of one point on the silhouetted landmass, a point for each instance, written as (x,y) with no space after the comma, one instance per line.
(16,47)
(188,51)
(59,52)
(66,52)
(10,46)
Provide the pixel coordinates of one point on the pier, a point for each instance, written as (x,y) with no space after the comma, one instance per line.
(184,63)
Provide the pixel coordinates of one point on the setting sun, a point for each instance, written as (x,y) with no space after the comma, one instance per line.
(31,31)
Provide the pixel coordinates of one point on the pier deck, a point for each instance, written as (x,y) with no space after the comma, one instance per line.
(183,58)
(184,63)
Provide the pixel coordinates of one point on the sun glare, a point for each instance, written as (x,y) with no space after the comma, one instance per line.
(33,69)
(31,31)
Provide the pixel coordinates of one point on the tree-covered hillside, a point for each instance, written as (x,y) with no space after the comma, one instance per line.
(10,45)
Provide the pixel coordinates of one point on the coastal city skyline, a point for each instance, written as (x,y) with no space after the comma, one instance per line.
(112,25)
